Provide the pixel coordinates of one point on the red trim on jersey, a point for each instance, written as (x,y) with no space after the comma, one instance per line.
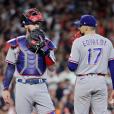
(111,59)
(73,61)
(53,111)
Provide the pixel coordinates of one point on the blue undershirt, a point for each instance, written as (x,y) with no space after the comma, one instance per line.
(111,68)
(72,66)
(8,75)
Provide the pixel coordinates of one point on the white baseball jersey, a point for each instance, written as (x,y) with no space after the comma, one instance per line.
(91,52)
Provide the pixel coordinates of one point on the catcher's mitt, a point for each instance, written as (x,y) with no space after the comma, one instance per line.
(36,40)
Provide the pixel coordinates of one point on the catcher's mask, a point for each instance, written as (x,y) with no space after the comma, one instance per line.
(32,16)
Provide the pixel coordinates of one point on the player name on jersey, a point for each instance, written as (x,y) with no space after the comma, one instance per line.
(94,42)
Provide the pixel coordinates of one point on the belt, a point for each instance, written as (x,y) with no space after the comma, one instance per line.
(32,81)
(99,74)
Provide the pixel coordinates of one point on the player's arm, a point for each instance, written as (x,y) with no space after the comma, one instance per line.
(48,52)
(111,65)
(74,57)
(10,60)
(6,82)
(10,69)
(111,68)
(72,66)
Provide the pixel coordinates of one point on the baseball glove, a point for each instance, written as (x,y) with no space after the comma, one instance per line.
(36,40)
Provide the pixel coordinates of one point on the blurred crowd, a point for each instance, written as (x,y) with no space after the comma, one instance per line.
(59,15)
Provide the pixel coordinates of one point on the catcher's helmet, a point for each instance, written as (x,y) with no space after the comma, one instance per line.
(31,16)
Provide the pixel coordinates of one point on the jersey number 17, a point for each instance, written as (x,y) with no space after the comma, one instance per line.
(94,55)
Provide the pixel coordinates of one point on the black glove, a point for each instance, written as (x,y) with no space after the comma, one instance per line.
(36,40)
(44,50)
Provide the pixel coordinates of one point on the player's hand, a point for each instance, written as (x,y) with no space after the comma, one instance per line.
(111,100)
(6,96)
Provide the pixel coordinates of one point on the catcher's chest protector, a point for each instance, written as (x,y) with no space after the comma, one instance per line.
(29,63)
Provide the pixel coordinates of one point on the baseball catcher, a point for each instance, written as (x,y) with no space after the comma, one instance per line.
(29,56)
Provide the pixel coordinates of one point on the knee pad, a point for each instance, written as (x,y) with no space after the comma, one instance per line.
(53,112)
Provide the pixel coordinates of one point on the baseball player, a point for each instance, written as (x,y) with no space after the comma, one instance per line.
(90,57)
(29,56)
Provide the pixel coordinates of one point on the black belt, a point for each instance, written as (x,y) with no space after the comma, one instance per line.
(99,74)
(31,81)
